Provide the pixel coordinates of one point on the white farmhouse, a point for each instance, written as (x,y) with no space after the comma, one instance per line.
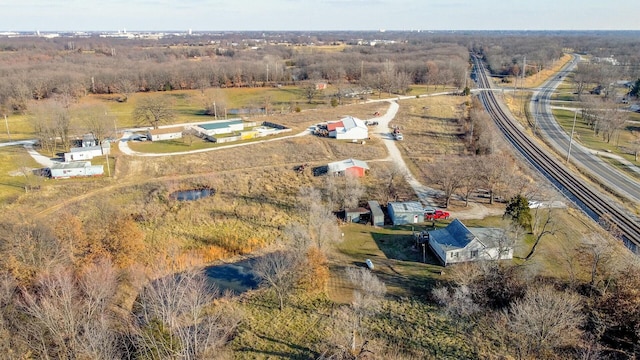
(456,243)
(87,152)
(349,128)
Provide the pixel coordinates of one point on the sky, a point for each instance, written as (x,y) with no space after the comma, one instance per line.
(276,15)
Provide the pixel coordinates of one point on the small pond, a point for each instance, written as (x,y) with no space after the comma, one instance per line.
(236,277)
(191,195)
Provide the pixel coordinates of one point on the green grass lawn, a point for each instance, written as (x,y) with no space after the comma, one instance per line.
(12,182)
(587,137)
(18,126)
(306,328)
(170,146)
(395,259)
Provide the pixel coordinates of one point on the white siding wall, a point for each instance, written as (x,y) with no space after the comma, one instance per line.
(82,155)
(169,136)
(355,133)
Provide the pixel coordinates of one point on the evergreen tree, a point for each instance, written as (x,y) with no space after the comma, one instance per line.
(518,211)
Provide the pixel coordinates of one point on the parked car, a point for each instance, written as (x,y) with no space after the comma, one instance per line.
(437,215)
(429,210)
(369,264)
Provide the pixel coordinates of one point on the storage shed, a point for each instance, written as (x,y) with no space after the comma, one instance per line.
(356,215)
(349,166)
(75,169)
(165,134)
(408,212)
(377,216)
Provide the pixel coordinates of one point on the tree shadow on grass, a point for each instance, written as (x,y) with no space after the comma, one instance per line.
(412,268)
(297,351)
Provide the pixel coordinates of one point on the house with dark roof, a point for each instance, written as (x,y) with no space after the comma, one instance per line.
(456,243)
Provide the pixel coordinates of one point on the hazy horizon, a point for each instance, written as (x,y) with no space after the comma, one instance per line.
(316,15)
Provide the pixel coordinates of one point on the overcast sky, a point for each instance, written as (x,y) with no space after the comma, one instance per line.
(200,15)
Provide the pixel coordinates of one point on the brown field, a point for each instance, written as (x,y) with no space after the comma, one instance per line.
(537,79)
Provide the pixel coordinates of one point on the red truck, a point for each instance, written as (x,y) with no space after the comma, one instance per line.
(436,215)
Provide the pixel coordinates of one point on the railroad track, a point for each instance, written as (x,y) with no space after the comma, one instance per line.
(593,202)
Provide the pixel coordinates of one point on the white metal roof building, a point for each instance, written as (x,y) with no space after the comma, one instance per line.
(352,129)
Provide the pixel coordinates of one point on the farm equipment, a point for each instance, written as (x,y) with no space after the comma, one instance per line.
(396,133)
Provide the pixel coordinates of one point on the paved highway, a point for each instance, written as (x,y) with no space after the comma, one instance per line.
(592,201)
(548,127)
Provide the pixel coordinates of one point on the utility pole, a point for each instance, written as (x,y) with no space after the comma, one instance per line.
(267,72)
(6,123)
(575,114)
(524,70)
(108,167)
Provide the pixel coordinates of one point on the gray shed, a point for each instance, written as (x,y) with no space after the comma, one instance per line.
(355,215)
(408,212)
(377,216)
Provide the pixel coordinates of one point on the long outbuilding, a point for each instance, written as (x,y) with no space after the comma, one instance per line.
(407,212)
(75,169)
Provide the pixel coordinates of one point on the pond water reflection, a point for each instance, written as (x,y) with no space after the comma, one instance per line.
(236,277)
(191,195)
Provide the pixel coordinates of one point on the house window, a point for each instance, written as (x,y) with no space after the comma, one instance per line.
(474,253)
(455,255)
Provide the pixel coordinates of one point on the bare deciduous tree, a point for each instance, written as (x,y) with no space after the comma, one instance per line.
(175,319)
(458,303)
(543,320)
(309,90)
(344,192)
(279,271)
(543,223)
(153,110)
(96,120)
(446,174)
(391,178)
(367,294)
(72,318)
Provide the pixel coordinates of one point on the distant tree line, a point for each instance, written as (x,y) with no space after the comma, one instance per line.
(36,68)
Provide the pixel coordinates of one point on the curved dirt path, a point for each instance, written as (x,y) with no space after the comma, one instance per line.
(425,194)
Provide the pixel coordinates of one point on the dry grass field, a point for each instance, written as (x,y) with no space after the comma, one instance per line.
(537,79)
(256,188)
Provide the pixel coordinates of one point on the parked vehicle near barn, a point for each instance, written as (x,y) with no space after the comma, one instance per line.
(436,215)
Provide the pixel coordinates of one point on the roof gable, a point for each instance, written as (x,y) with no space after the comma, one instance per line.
(406,207)
(334,125)
(351,122)
(346,164)
(455,235)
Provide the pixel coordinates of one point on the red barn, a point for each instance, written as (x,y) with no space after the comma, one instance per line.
(350,166)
